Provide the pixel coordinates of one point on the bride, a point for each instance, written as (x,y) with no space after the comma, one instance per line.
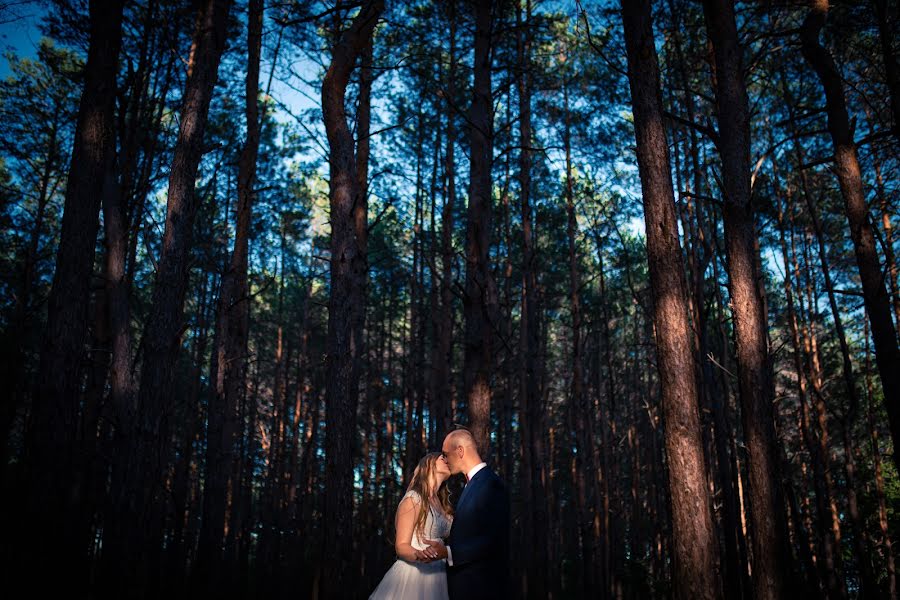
(424,513)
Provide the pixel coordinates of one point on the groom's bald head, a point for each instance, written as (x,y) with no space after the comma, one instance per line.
(460,450)
(462,437)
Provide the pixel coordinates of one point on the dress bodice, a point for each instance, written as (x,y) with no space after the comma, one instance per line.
(437,524)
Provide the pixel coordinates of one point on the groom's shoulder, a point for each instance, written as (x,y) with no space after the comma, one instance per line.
(495,478)
(496,488)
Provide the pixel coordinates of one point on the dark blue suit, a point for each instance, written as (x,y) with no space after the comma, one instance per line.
(479,540)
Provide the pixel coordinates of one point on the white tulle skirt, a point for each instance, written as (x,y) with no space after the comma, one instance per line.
(413,581)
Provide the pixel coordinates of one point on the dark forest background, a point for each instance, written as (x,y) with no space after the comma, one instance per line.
(257,257)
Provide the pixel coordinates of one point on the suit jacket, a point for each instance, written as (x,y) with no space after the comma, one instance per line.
(479,540)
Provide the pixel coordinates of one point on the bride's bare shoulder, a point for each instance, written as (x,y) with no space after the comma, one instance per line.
(413,496)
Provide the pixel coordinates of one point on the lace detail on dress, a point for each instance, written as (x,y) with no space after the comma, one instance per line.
(437,524)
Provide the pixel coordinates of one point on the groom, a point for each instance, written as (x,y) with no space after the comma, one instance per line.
(477,549)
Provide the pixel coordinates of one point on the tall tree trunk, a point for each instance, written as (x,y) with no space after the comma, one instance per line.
(768,523)
(412,365)
(529,342)
(579,401)
(145,493)
(230,372)
(734,569)
(480,299)
(846,163)
(346,302)
(506,406)
(696,562)
(181,477)
(443,361)
(55,465)
(605,420)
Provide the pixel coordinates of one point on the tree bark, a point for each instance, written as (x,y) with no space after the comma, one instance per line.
(443,352)
(846,166)
(480,299)
(768,522)
(696,562)
(443,361)
(585,464)
(529,341)
(346,303)
(230,368)
(54,462)
(162,340)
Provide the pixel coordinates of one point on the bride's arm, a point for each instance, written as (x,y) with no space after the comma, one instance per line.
(406,522)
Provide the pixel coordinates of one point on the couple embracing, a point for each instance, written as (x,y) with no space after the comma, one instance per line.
(442,553)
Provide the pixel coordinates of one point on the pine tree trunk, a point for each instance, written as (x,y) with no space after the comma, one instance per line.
(536,520)
(768,524)
(696,560)
(606,386)
(181,478)
(230,372)
(150,449)
(55,465)
(846,163)
(444,351)
(346,303)
(411,365)
(480,300)
(506,405)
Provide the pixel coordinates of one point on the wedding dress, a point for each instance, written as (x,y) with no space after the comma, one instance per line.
(414,580)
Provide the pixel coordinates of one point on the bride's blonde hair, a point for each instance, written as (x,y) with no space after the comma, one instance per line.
(421,484)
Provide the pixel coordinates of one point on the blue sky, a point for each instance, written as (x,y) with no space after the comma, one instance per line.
(21,35)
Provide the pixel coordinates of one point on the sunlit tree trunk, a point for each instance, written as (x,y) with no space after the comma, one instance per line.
(847,169)
(768,529)
(696,559)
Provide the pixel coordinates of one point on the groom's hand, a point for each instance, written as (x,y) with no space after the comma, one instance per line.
(422,556)
(436,549)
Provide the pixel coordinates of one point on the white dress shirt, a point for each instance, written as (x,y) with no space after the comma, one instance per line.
(469,477)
